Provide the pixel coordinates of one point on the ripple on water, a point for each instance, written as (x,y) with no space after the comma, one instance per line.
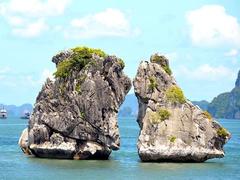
(123,164)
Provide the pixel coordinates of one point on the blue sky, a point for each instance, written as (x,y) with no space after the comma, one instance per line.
(201,39)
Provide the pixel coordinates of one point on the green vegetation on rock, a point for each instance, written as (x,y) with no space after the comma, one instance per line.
(78,88)
(62,88)
(207,115)
(153,83)
(121,62)
(79,59)
(80,80)
(175,95)
(159,116)
(63,69)
(162,61)
(82,115)
(222,132)
(167,70)
(86,53)
(172,139)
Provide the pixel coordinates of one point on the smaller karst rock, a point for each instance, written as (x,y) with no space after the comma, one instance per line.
(172,128)
(23,142)
(75,116)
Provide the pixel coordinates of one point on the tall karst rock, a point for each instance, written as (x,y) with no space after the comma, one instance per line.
(172,128)
(75,116)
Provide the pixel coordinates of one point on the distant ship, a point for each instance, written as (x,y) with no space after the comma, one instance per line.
(26,115)
(3,113)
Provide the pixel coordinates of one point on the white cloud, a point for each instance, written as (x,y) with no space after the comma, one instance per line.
(172,56)
(2,77)
(28,18)
(11,79)
(46,73)
(211,25)
(206,72)
(15,20)
(31,30)
(57,28)
(111,22)
(232,53)
(4,70)
(34,8)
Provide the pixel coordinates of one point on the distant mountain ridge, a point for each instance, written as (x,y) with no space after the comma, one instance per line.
(225,105)
(17,111)
(202,104)
(129,106)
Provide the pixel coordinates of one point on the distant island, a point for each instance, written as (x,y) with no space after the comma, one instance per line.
(202,104)
(225,105)
(129,108)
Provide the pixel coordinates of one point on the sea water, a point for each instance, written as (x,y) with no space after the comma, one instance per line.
(123,164)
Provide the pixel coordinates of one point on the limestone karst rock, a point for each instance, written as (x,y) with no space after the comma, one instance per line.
(172,128)
(75,116)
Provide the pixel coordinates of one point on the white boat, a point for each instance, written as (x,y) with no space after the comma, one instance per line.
(3,113)
(26,115)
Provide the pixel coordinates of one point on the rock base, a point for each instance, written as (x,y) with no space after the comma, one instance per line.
(58,149)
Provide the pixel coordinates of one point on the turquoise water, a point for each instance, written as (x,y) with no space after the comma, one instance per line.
(123,164)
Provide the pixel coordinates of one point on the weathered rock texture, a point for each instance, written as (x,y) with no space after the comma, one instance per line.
(75,116)
(172,128)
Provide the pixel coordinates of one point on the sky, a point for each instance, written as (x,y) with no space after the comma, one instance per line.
(200,38)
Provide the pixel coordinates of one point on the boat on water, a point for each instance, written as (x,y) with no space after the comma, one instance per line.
(3,113)
(26,115)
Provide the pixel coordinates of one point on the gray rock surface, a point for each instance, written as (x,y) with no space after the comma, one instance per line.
(75,117)
(172,128)
(23,142)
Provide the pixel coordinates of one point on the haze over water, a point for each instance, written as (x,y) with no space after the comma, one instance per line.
(123,164)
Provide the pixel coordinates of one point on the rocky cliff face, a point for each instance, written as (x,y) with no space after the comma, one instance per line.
(172,128)
(227,105)
(75,116)
(237,83)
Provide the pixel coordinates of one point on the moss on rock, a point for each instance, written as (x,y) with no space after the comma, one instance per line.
(222,132)
(175,95)
(159,116)
(78,60)
(153,83)
(163,62)
(62,88)
(172,139)
(207,115)
(78,88)
(121,62)
(63,69)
